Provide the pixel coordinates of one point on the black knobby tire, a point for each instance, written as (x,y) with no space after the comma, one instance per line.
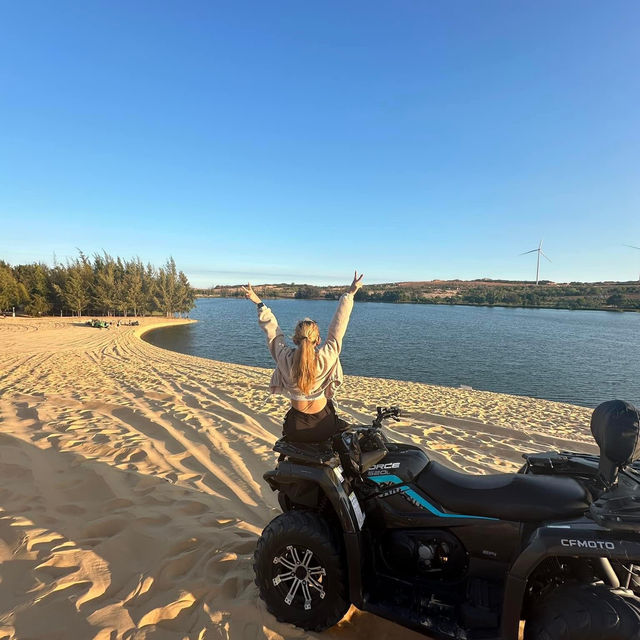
(585,612)
(302,533)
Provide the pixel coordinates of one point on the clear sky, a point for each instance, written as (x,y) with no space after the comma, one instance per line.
(289,141)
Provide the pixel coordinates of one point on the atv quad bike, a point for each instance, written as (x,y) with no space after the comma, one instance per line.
(379,525)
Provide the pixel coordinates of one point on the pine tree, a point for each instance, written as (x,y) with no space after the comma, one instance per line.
(12,293)
(149,287)
(76,291)
(120,293)
(185,296)
(36,280)
(103,287)
(167,288)
(134,286)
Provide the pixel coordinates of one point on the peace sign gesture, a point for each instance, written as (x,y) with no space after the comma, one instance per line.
(251,294)
(357,282)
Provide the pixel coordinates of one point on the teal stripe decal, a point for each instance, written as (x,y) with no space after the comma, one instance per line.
(420,500)
(389,478)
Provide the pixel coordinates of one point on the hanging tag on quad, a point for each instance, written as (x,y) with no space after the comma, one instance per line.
(356,509)
(338,471)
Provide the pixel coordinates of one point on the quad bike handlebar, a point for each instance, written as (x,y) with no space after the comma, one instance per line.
(365,446)
(385,413)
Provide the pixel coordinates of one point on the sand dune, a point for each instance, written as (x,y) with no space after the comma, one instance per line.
(131,491)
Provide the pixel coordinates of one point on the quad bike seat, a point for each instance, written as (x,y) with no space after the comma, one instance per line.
(506,496)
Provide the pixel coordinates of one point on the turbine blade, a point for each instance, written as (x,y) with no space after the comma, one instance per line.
(525,253)
(632,246)
(549,259)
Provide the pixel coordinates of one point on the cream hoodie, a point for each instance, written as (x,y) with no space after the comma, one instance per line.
(329,374)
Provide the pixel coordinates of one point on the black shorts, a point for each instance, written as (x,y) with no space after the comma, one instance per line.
(312,427)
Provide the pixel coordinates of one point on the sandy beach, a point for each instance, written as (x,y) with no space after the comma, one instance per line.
(131,491)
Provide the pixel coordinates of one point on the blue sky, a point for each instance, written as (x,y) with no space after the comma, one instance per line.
(296,141)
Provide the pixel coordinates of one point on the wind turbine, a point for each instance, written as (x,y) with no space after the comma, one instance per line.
(539,252)
(633,247)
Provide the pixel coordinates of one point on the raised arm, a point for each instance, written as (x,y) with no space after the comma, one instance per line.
(338,326)
(268,323)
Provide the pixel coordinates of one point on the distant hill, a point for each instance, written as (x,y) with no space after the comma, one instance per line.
(614,296)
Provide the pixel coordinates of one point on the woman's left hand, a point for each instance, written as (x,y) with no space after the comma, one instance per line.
(251,294)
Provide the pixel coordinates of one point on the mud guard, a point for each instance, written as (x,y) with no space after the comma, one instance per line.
(562,540)
(289,474)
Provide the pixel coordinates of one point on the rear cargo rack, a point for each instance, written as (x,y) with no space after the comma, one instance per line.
(312,452)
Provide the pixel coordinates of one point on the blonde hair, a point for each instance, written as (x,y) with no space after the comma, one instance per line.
(306,337)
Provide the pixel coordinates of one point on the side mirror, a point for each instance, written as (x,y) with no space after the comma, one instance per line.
(615,425)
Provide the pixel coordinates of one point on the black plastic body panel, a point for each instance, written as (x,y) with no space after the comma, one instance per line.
(402,460)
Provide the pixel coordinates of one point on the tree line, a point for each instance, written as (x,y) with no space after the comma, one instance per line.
(103,285)
(574,295)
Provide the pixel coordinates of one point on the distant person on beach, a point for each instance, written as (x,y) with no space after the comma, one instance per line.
(308,374)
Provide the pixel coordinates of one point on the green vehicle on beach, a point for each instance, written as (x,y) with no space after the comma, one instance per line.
(99,324)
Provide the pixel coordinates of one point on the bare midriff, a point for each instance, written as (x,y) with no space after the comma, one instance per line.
(310,406)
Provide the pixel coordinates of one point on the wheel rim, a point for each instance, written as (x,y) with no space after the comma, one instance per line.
(299,577)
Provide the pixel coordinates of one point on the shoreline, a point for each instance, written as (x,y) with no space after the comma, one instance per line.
(445,304)
(166,323)
(132,492)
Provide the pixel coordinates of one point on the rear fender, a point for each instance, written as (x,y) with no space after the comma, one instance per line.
(580,540)
(307,484)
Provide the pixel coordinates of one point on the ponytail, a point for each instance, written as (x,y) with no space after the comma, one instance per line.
(304,358)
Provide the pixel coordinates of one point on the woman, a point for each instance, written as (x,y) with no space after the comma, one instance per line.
(308,374)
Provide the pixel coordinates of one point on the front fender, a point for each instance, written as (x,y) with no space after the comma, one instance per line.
(288,474)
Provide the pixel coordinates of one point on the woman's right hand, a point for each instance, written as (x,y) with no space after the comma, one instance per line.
(251,294)
(357,282)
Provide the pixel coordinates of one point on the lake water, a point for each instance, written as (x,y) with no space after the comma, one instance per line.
(581,357)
